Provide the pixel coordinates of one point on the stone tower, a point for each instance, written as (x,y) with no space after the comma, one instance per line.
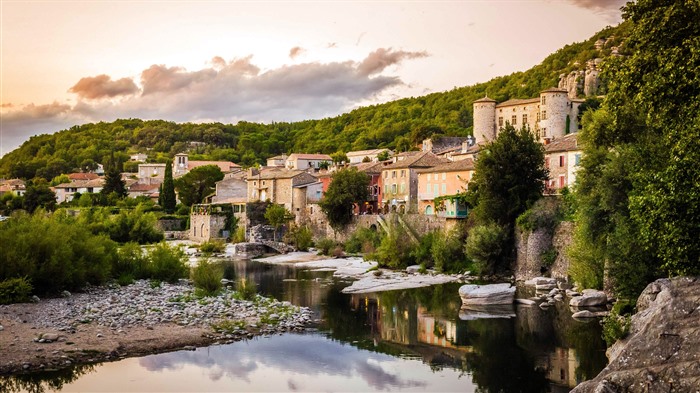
(485,119)
(180,164)
(554,107)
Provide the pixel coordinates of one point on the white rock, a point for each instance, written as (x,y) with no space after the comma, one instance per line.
(541,281)
(525,302)
(589,298)
(413,269)
(487,294)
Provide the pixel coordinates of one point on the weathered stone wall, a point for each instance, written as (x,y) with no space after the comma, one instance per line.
(175,224)
(484,121)
(557,108)
(204,227)
(419,223)
(531,245)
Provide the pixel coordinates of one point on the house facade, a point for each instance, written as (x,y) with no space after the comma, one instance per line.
(282,186)
(356,157)
(14,186)
(298,161)
(182,165)
(562,158)
(399,181)
(66,191)
(443,181)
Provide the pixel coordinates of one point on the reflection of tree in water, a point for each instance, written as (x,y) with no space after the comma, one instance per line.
(587,340)
(43,381)
(497,364)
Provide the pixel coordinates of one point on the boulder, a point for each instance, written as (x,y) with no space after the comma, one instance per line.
(542,281)
(526,302)
(487,294)
(589,298)
(49,337)
(413,269)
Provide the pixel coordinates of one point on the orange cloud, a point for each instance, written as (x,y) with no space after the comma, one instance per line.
(102,86)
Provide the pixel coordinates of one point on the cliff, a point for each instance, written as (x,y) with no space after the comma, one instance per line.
(662,351)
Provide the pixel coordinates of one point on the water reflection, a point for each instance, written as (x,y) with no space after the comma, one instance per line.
(412,339)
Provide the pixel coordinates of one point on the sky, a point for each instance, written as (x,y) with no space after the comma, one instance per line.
(65,63)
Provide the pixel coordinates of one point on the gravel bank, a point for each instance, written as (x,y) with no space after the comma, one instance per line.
(108,323)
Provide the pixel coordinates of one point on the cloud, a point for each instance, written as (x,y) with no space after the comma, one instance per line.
(296,51)
(223,91)
(381,58)
(608,8)
(102,86)
(331,45)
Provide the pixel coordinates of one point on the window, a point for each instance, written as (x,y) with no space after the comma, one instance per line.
(403,173)
(544,115)
(403,187)
(393,174)
(255,183)
(562,181)
(500,121)
(236,208)
(577,159)
(393,188)
(386,174)
(538,116)
(435,190)
(444,189)
(427,188)
(544,100)
(561,160)
(428,210)
(514,119)
(428,176)
(263,182)
(444,176)
(524,119)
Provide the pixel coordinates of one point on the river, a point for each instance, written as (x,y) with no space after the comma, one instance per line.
(409,340)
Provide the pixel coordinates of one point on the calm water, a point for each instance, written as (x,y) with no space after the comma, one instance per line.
(411,340)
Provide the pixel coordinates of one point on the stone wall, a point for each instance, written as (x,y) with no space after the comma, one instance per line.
(174,224)
(531,245)
(419,223)
(204,227)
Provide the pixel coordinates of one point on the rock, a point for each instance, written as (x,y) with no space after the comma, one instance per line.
(564,285)
(553,292)
(545,287)
(525,302)
(540,281)
(65,294)
(589,298)
(583,314)
(1,328)
(35,299)
(48,337)
(558,297)
(487,294)
(413,269)
(571,293)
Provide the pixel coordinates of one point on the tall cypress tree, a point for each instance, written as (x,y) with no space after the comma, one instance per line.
(167,192)
(113,177)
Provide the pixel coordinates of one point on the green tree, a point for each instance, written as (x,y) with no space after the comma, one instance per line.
(167,195)
(277,215)
(197,184)
(383,156)
(348,187)
(339,157)
(113,177)
(38,194)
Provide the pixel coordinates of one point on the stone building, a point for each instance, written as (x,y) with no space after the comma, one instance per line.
(444,180)
(356,157)
(562,158)
(64,192)
(279,160)
(399,181)
(552,115)
(182,165)
(307,161)
(295,189)
(151,173)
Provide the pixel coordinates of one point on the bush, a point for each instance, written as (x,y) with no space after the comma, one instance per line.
(544,214)
(238,235)
(245,290)
(549,256)
(207,276)
(448,253)
(135,225)
(421,253)
(363,240)
(394,251)
(485,246)
(616,326)
(300,237)
(326,246)
(168,263)
(15,290)
(212,246)
(131,263)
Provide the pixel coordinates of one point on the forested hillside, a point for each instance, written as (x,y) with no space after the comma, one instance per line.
(397,125)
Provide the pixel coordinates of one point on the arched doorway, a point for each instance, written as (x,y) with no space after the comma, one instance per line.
(402,209)
(429,210)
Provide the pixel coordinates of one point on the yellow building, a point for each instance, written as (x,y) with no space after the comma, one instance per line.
(444,180)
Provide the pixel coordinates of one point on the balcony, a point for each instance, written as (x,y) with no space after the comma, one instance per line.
(427,196)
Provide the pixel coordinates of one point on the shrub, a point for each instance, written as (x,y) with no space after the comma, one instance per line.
(168,263)
(245,290)
(238,235)
(448,253)
(421,253)
(616,326)
(485,246)
(395,248)
(300,237)
(15,290)
(207,276)
(548,257)
(363,240)
(543,214)
(212,246)
(325,246)
(135,225)
(131,262)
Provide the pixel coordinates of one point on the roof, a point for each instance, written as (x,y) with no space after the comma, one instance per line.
(452,166)
(565,143)
(368,167)
(364,152)
(13,182)
(139,187)
(518,101)
(94,183)
(225,166)
(279,157)
(83,176)
(421,160)
(275,173)
(554,90)
(485,99)
(302,156)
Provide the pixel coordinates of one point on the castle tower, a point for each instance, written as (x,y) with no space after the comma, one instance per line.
(554,108)
(180,164)
(485,119)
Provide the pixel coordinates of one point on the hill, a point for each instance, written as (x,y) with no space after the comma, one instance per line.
(399,124)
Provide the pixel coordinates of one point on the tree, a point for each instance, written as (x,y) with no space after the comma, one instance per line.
(277,215)
(167,195)
(339,157)
(348,186)
(113,177)
(38,194)
(383,156)
(198,183)
(508,179)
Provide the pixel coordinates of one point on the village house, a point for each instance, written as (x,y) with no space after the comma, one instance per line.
(356,157)
(66,191)
(469,151)
(307,161)
(444,180)
(135,189)
(442,146)
(182,165)
(295,189)
(551,115)
(399,180)
(277,161)
(562,158)
(374,172)
(14,186)
(140,157)
(151,173)
(233,190)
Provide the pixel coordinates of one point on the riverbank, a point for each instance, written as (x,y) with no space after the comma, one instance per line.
(109,323)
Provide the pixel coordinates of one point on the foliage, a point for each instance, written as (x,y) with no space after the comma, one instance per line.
(394,251)
(383,156)
(326,245)
(54,252)
(38,195)
(131,263)
(238,235)
(422,252)
(486,246)
(616,326)
(300,237)
(277,215)
(348,187)
(15,290)
(549,256)
(168,263)
(212,246)
(167,194)
(246,289)
(542,215)
(197,184)
(207,276)
(364,240)
(448,253)
(134,225)
(339,157)
(113,177)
